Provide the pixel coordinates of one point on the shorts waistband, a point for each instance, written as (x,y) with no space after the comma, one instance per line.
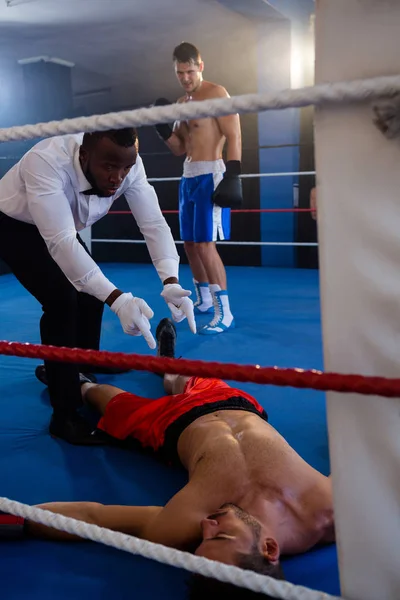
(169,450)
(202,167)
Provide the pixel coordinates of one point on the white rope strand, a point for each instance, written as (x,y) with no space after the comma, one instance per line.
(224,242)
(176,558)
(243,176)
(347,91)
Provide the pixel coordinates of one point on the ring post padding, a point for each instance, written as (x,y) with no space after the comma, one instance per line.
(358,186)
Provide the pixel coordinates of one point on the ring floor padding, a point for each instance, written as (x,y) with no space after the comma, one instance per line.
(277,323)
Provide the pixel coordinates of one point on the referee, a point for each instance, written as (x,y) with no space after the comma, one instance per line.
(61,186)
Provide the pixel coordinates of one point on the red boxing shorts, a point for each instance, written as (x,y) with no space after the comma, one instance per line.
(157,424)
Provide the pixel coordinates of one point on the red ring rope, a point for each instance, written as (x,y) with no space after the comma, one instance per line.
(297,378)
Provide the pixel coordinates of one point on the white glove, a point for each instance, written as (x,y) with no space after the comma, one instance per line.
(179,303)
(134,314)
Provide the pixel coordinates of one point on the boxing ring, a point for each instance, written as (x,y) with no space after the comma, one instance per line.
(49,469)
(360,290)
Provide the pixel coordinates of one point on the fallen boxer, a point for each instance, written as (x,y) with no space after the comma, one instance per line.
(250,497)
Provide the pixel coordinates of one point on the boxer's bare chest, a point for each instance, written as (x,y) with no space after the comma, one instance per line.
(238,454)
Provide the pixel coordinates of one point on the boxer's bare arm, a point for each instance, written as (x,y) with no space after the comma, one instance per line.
(131,520)
(230,129)
(176,143)
(176,525)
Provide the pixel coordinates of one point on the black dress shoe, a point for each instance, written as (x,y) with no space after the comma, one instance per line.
(40,373)
(166,338)
(75,430)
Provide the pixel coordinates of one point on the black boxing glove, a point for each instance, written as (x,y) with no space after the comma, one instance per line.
(229,193)
(164,130)
(11,527)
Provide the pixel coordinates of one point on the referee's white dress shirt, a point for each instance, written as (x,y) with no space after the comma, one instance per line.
(46,188)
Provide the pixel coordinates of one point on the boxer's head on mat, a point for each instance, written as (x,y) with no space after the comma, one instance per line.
(188,67)
(232,536)
(106,158)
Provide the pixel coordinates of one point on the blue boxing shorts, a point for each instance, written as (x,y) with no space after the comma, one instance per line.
(200,219)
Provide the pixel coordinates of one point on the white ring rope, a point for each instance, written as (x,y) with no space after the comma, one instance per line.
(225,243)
(176,558)
(243,176)
(346,91)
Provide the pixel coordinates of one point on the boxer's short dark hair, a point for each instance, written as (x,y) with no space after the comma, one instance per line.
(201,587)
(186,53)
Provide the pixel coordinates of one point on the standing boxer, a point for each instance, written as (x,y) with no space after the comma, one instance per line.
(209,187)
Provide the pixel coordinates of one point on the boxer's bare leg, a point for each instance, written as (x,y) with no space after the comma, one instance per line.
(175,384)
(196,265)
(99,395)
(210,259)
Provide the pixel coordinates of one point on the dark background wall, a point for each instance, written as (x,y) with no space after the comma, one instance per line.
(36,92)
(306,227)
(257,58)
(279,143)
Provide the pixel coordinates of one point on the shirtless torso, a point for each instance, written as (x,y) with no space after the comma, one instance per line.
(236,457)
(232,457)
(201,139)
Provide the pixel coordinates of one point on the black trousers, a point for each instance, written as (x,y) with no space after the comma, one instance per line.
(70,318)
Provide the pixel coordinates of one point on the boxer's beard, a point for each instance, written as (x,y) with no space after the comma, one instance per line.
(247,519)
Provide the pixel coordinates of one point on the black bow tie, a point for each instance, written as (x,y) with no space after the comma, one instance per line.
(91,192)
